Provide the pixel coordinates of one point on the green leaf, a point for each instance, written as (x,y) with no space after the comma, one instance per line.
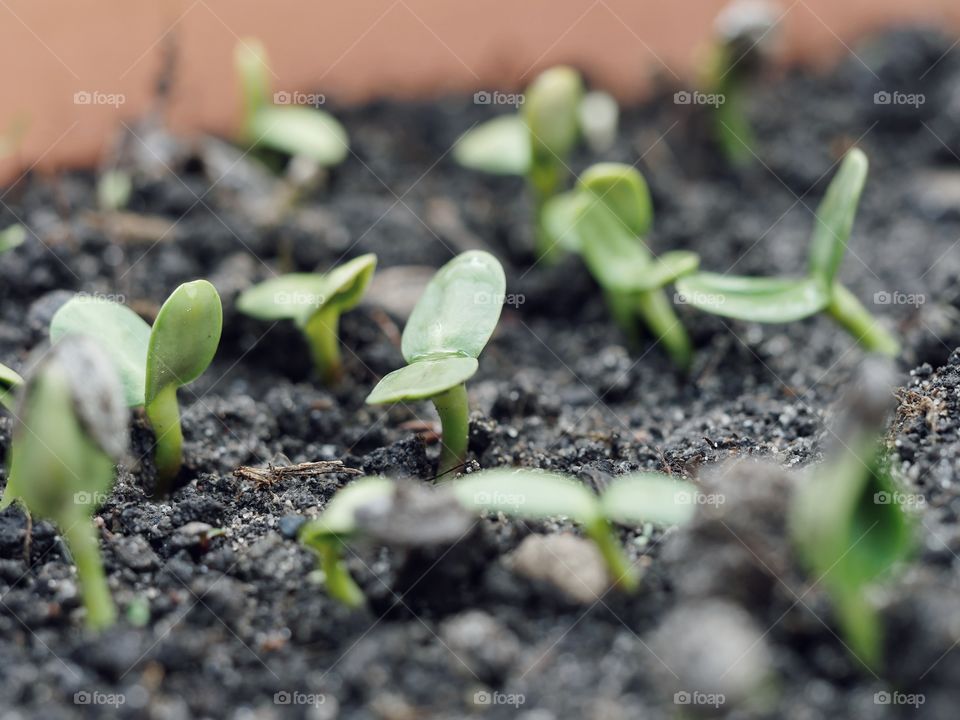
(113,190)
(599,117)
(459,309)
(338,521)
(559,219)
(123,334)
(300,131)
(423,379)
(250,60)
(297,296)
(615,256)
(500,146)
(527,494)
(9,382)
(835,216)
(185,337)
(12,237)
(669,267)
(649,497)
(551,110)
(622,189)
(754,299)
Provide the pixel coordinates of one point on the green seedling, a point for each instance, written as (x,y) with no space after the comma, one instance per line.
(848,520)
(70,433)
(782,300)
(605,219)
(12,236)
(9,382)
(535,143)
(446,332)
(280,123)
(153,362)
(314,302)
(526,494)
(742,39)
(114,188)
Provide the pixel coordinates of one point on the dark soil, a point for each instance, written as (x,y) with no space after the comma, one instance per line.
(214,625)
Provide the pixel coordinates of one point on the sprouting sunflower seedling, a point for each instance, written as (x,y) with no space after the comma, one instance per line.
(12,236)
(525,494)
(9,382)
(605,218)
(848,520)
(442,340)
(153,362)
(70,433)
(282,123)
(314,302)
(742,38)
(782,300)
(535,143)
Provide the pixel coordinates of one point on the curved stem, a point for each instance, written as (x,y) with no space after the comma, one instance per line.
(659,315)
(321,331)
(339,583)
(82,541)
(164,414)
(850,313)
(619,567)
(454,410)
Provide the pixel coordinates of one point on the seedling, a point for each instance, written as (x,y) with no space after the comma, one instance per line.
(9,382)
(281,124)
(848,521)
(782,300)
(12,237)
(605,219)
(114,188)
(153,363)
(71,431)
(527,494)
(314,302)
(742,37)
(442,340)
(536,142)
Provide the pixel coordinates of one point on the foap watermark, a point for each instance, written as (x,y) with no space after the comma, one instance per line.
(695,97)
(95,697)
(295,697)
(298,298)
(692,497)
(89,498)
(898,298)
(484,97)
(685,697)
(96,97)
(896,697)
(898,498)
(485,697)
(511,299)
(699,298)
(896,97)
(102,297)
(498,498)
(295,97)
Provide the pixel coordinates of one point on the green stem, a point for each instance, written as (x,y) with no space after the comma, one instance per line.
(82,541)
(454,410)
(339,583)
(321,331)
(658,313)
(544,183)
(164,414)
(621,571)
(855,319)
(622,309)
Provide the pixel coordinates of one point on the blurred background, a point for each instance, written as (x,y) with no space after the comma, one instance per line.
(59,52)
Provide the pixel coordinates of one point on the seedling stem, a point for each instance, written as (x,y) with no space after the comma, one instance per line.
(82,540)
(164,414)
(453,408)
(321,330)
(663,322)
(849,312)
(621,572)
(339,583)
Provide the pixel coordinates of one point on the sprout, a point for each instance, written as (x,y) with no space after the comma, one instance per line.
(535,143)
(114,188)
(314,302)
(848,521)
(71,431)
(447,330)
(287,128)
(780,300)
(153,363)
(742,39)
(526,494)
(605,219)
(9,382)
(599,117)
(12,236)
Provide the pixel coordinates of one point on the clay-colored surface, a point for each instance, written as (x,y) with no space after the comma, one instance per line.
(357,49)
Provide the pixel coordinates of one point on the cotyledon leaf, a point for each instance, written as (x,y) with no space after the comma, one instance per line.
(835,216)
(338,518)
(622,189)
(528,494)
(764,300)
(423,379)
(649,497)
(500,146)
(300,131)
